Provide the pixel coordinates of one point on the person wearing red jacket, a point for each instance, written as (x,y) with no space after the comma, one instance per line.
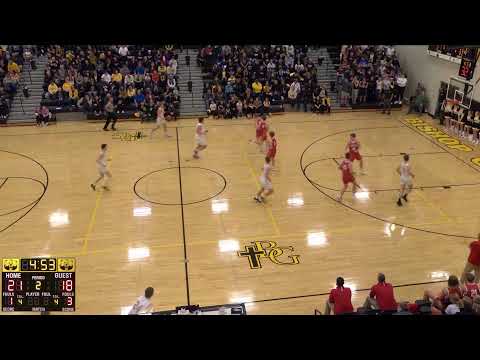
(340,299)
(381,296)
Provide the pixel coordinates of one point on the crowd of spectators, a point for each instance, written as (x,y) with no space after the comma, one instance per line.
(250,80)
(137,77)
(458,52)
(11,63)
(458,297)
(370,74)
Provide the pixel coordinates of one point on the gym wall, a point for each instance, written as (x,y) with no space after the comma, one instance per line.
(430,71)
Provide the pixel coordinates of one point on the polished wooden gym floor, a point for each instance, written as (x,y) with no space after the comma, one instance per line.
(181,225)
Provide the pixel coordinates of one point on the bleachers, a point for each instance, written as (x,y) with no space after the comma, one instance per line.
(230,72)
(79,78)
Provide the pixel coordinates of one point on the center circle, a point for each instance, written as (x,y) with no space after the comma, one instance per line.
(160,186)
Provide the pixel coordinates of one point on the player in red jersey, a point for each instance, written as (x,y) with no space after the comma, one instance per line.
(347,175)
(353,147)
(261,132)
(272,147)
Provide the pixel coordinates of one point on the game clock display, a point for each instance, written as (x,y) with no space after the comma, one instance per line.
(467,68)
(38,284)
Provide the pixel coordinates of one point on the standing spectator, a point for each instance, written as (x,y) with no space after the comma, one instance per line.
(378,90)
(346,91)
(363,91)
(257,87)
(401,84)
(473,261)
(340,299)
(355,89)
(293,92)
(239,106)
(387,95)
(381,296)
(143,304)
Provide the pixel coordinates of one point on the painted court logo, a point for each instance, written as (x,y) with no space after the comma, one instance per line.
(442,137)
(129,136)
(267,250)
(439,135)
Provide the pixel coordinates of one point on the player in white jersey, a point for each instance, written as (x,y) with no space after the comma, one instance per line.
(406,179)
(265,181)
(143,304)
(200,138)
(102,168)
(161,122)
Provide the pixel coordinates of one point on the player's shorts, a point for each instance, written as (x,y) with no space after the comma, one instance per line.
(161,121)
(102,170)
(348,179)
(355,155)
(259,134)
(267,185)
(200,140)
(406,180)
(271,154)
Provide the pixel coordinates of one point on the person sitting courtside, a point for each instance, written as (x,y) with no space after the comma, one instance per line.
(381,296)
(340,299)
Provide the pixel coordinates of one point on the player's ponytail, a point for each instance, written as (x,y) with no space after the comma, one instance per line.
(340,282)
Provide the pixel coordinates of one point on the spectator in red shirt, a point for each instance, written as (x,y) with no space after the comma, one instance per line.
(340,299)
(473,261)
(381,296)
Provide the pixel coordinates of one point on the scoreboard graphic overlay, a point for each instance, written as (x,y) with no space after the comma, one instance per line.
(38,284)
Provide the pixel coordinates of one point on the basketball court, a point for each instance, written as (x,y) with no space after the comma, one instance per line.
(191,229)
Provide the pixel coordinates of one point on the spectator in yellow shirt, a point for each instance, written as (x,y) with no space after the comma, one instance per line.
(73,95)
(257,87)
(13,67)
(117,77)
(67,85)
(52,90)
(69,56)
(130,94)
(162,69)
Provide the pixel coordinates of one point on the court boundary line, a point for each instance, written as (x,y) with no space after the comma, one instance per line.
(302,168)
(3,183)
(292,122)
(185,257)
(328,293)
(41,196)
